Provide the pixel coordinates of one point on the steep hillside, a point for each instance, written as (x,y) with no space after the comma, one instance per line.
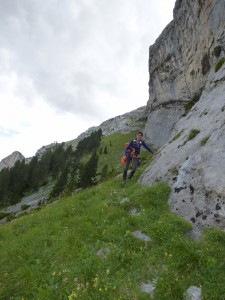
(110,242)
(59,172)
(187,110)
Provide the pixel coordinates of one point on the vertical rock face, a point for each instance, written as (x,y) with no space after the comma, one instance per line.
(186,65)
(9,161)
(180,62)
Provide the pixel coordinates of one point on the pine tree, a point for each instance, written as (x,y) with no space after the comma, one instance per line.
(105,150)
(88,172)
(104,172)
(61,183)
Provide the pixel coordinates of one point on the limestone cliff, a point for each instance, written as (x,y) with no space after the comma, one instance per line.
(180,62)
(186,67)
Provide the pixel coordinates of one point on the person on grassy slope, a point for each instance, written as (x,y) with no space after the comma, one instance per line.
(132,152)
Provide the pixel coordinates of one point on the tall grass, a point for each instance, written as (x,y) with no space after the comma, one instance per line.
(83,247)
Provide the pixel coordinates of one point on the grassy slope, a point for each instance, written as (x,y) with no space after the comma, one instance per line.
(52,253)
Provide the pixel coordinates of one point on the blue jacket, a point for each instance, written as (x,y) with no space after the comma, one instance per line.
(134,147)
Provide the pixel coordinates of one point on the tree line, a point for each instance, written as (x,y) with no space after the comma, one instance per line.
(67,168)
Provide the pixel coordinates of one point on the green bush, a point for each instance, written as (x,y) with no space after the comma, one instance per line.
(193,134)
(176,136)
(3,215)
(219,64)
(25,206)
(173,171)
(10,217)
(188,106)
(204,140)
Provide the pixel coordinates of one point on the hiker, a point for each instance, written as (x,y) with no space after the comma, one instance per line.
(132,152)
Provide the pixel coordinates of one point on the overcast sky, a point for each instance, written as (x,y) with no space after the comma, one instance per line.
(67,65)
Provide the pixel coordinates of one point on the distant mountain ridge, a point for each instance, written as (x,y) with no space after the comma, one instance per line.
(133,120)
(125,123)
(130,121)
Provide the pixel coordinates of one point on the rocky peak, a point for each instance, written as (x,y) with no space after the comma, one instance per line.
(9,161)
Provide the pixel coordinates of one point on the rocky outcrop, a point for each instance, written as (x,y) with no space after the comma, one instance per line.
(180,62)
(186,67)
(125,123)
(43,149)
(9,161)
(195,166)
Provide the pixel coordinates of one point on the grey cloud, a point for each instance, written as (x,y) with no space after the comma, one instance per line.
(75,93)
(70,49)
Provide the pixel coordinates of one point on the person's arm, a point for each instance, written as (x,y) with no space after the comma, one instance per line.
(147,148)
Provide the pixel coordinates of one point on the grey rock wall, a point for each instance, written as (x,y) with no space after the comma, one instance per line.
(180,62)
(194,167)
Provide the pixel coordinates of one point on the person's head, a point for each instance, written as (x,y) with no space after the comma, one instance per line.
(139,135)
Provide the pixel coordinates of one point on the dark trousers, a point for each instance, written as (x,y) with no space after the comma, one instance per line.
(134,161)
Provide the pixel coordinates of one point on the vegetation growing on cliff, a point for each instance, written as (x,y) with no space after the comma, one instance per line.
(219,64)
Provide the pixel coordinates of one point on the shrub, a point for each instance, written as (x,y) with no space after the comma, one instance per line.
(188,106)
(193,134)
(3,214)
(10,217)
(204,140)
(176,136)
(25,206)
(219,64)
(173,171)
(192,102)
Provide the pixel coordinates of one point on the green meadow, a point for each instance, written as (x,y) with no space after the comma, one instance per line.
(84,246)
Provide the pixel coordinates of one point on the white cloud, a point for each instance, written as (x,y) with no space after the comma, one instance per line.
(68,65)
